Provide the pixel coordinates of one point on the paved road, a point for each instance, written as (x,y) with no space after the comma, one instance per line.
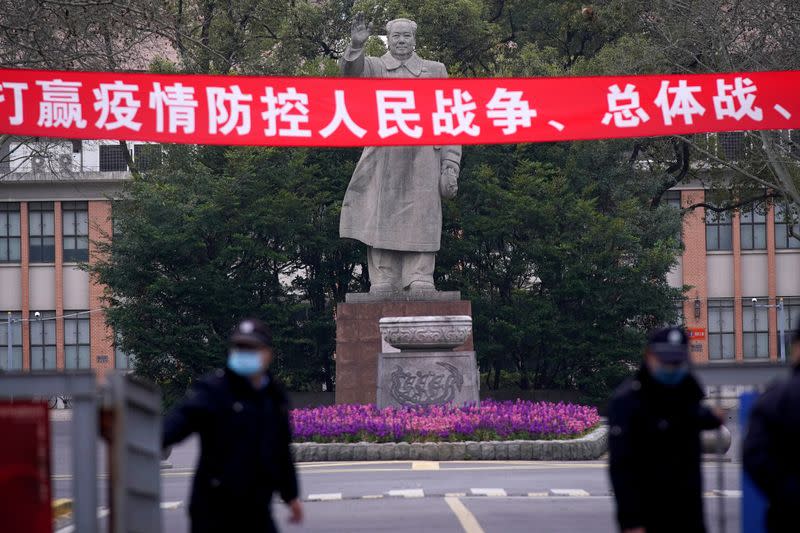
(469,497)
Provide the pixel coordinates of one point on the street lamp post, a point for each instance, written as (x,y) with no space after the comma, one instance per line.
(781,321)
(10,342)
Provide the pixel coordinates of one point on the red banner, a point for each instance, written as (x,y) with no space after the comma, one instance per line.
(380,112)
(25,505)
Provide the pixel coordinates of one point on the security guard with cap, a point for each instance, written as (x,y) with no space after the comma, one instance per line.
(769,453)
(242,416)
(655,419)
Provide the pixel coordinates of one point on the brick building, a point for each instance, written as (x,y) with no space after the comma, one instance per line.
(728,260)
(55,201)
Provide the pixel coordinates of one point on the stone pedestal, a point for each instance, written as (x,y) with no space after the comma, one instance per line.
(427,378)
(359,342)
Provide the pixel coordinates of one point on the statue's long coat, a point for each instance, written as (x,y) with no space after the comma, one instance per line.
(393,200)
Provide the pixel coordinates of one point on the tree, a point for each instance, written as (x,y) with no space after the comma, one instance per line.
(566,271)
(219,234)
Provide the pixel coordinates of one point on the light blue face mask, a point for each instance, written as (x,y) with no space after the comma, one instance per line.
(245,362)
(670,376)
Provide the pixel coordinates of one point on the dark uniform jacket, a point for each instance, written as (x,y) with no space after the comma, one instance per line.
(771,452)
(245,454)
(654,454)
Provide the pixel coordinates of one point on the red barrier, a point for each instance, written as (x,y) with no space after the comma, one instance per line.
(25,504)
(379,112)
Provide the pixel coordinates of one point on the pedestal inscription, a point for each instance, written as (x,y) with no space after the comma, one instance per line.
(427,378)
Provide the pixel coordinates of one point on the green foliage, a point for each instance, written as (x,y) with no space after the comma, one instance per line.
(562,248)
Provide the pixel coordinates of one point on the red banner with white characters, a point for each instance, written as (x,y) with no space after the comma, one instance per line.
(278,111)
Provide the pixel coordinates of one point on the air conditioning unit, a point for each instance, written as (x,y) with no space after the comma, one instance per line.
(65,162)
(38,164)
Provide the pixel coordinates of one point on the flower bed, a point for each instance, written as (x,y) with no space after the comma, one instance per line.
(518,420)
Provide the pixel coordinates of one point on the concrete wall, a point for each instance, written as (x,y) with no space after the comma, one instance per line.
(755,274)
(719,276)
(788,273)
(76,289)
(42,288)
(10,288)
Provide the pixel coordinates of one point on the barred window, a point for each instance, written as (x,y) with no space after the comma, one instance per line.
(718,231)
(791,320)
(41,228)
(147,156)
(720,329)
(43,340)
(16,340)
(9,232)
(784,219)
(122,360)
(753,229)
(75,216)
(755,330)
(112,158)
(76,340)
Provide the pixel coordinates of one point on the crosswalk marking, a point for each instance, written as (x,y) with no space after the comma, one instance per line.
(325,497)
(407,493)
(488,492)
(568,492)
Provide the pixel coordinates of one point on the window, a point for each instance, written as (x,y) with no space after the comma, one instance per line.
(122,359)
(75,216)
(9,233)
(43,340)
(720,329)
(755,329)
(5,157)
(791,320)
(673,200)
(147,156)
(112,158)
(718,231)
(76,340)
(783,238)
(41,219)
(753,228)
(16,341)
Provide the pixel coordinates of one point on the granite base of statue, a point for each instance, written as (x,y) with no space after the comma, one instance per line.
(360,342)
(426,370)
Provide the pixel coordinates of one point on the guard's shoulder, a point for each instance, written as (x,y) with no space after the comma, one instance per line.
(629,389)
(212,381)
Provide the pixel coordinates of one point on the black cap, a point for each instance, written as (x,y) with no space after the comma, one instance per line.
(252,332)
(670,345)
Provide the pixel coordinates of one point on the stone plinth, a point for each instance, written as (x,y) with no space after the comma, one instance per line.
(358,338)
(427,378)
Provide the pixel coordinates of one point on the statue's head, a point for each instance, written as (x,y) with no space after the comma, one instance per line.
(401,34)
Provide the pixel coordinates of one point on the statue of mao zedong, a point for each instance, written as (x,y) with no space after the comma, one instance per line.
(393,203)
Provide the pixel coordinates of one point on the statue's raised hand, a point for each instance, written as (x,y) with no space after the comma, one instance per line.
(359,33)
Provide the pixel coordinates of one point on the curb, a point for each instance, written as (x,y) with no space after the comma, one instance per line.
(62,507)
(588,447)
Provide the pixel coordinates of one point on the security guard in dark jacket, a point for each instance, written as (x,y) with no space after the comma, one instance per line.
(770,452)
(242,416)
(655,420)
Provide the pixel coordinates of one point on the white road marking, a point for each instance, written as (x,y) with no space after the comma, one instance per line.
(407,493)
(496,493)
(325,497)
(538,494)
(568,492)
(171,506)
(102,512)
(425,465)
(465,518)
(372,497)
